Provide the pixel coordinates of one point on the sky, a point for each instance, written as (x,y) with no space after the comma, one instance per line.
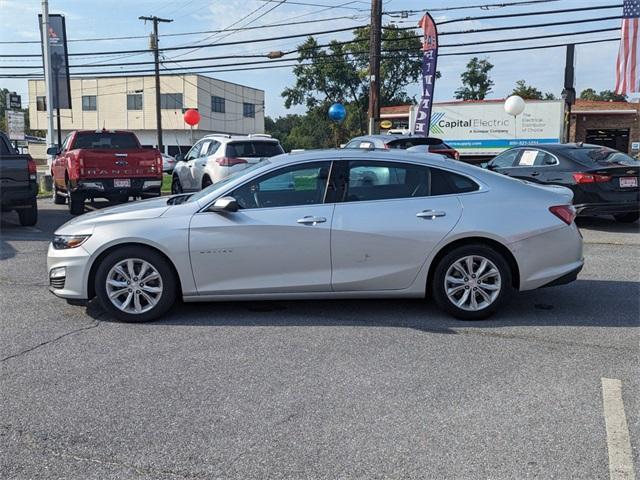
(544,69)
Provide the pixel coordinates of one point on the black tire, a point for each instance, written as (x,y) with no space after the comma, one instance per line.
(124,198)
(176,186)
(162,266)
(76,203)
(206,181)
(28,217)
(627,217)
(438,284)
(57,198)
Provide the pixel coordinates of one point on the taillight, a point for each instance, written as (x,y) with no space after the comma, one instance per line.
(159,162)
(230,161)
(581,177)
(566,213)
(33,169)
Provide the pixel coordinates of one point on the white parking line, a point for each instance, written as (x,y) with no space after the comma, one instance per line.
(618,442)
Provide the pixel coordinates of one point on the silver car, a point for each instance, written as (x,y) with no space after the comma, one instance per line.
(325,224)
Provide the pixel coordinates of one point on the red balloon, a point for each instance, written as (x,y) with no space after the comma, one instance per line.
(192,117)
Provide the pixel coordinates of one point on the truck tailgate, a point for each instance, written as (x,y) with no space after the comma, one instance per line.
(14,170)
(120,163)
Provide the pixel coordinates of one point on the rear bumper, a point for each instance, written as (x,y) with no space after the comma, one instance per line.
(543,259)
(106,188)
(607,208)
(566,278)
(18,196)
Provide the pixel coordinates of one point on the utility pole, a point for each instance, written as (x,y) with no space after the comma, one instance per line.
(48,84)
(569,92)
(375,40)
(156,56)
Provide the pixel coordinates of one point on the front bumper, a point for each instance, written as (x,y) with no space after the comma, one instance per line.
(75,262)
(105,188)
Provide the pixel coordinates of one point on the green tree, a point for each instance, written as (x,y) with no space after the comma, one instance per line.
(529,92)
(604,95)
(339,73)
(475,80)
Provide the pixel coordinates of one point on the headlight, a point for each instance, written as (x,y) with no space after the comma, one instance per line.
(62,242)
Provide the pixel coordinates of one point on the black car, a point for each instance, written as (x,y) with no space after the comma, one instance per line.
(604,181)
(18,183)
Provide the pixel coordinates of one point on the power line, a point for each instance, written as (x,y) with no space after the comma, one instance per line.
(485,6)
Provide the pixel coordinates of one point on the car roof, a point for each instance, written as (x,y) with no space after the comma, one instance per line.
(229,138)
(394,136)
(559,147)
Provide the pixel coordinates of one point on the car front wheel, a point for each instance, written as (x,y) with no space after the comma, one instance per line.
(471,282)
(135,284)
(176,186)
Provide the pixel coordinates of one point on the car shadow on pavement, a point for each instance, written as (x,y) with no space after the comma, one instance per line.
(583,303)
(607,224)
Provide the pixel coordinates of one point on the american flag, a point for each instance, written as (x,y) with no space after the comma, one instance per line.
(628,65)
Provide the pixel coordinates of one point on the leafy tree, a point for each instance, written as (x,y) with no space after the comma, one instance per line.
(339,73)
(531,93)
(475,80)
(604,95)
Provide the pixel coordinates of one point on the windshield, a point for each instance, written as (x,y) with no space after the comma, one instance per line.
(214,186)
(600,155)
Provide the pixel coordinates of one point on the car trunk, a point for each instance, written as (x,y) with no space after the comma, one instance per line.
(103,163)
(615,183)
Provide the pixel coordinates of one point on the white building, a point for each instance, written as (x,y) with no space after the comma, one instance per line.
(128,103)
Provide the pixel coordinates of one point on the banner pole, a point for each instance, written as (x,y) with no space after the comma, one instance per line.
(47,72)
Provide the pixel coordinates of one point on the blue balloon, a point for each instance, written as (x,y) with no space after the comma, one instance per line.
(337,112)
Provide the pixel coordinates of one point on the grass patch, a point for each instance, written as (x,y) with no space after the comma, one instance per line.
(166,183)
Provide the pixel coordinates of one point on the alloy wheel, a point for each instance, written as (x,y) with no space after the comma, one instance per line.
(134,286)
(472,283)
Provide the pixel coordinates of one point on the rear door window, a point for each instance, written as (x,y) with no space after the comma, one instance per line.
(535,158)
(253,149)
(106,140)
(505,159)
(369,180)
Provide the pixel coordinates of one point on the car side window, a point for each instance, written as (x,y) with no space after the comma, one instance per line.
(444,182)
(194,152)
(353,144)
(535,158)
(505,159)
(204,149)
(65,144)
(213,148)
(304,184)
(368,180)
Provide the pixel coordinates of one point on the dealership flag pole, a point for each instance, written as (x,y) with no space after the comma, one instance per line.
(429,63)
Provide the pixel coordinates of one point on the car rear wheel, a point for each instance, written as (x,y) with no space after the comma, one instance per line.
(135,284)
(28,216)
(176,186)
(76,202)
(471,282)
(627,217)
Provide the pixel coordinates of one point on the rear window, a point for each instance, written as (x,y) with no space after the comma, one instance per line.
(106,140)
(404,143)
(446,183)
(589,156)
(5,148)
(253,149)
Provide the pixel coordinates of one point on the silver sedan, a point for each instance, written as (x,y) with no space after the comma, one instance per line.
(325,224)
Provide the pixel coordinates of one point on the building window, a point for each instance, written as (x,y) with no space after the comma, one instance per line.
(217,104)
(89,103)
(248,110)
(171,101)
(41,104)
(134,101)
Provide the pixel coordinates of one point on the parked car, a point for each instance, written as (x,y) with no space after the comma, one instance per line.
(604,181)
(168,163)
(325,224)
(19,185)
(217,156)
(103,164)
(431,144)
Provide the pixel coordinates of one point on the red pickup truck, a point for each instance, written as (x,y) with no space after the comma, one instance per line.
(103,164)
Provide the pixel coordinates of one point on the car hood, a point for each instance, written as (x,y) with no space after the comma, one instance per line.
(144,209)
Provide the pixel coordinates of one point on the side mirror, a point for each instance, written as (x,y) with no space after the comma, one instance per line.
(53,151)
(225,204)
(179,157)
(490,166)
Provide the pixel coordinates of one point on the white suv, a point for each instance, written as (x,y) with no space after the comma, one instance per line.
(217,156)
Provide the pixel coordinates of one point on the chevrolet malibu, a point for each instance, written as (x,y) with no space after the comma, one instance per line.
(321,225)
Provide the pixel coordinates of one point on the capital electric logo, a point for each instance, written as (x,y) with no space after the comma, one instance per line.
(434,127)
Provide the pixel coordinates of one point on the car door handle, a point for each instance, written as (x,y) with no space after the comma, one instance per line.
(535,174)
(311,220)
(430,214)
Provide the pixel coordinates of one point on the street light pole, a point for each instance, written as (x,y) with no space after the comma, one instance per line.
(156,56)
(375,40)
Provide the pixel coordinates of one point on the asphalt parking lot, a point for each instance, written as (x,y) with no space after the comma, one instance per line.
(310,389)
